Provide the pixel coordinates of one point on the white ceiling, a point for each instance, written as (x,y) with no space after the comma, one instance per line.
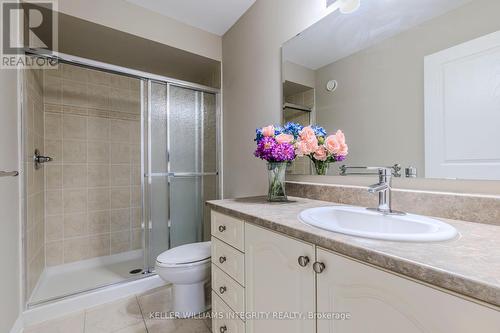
(340,35)
(215,16)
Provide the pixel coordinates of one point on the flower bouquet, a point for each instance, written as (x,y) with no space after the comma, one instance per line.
(280,145)
(276,146)
(320,148)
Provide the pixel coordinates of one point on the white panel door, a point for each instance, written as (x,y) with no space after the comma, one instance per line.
(276,283)
(378,301)
(462,111)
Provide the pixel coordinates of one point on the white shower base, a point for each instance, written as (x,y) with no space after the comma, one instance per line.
(68,279)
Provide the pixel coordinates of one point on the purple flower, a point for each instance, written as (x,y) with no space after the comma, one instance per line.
(339,158)
(265,148)
(283,152)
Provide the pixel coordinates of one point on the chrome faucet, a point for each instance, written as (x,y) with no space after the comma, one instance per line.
(383,188)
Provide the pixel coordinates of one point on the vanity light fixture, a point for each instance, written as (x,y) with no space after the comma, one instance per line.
(344,6)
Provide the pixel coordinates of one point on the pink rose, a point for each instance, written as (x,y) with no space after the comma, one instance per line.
(340,137)
(307,134)
(320,153)
(303,148)
(268,131)
(344,150)
(308,140)
(312,147)
(300,148)
(307,148)
(332,144)
(284,138)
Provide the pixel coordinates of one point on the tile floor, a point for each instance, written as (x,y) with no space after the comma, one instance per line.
(128,315)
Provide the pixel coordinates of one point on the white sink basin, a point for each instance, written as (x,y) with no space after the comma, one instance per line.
(358,221)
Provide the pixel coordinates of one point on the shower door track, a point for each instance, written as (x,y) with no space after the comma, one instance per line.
(147,79)
(92,64)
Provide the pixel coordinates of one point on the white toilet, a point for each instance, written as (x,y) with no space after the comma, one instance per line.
(187,267)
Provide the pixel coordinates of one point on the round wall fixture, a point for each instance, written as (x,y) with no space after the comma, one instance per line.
(332,85)
(349,6)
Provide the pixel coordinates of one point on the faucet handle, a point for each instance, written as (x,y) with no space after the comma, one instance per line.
(396,170)
(385,176)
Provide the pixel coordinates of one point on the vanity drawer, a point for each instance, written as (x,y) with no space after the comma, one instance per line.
(225,320)
(229,260)
(228,229)
(228,289)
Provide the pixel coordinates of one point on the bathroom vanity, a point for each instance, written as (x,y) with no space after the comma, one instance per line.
(273,273)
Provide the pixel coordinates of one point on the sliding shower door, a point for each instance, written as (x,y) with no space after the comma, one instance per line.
(183,127)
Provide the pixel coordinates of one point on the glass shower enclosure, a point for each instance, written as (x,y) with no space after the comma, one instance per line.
(134,156)
(182,166)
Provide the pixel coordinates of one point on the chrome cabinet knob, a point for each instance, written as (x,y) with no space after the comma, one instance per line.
(222,259)
(303,261)
(319,267)
(223,329)
(222,290)
(222,228)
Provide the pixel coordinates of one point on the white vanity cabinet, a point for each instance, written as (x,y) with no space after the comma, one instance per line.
(284,281)
(378,301)
(276,284)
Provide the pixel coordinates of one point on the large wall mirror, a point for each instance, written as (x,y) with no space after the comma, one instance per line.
(413,82)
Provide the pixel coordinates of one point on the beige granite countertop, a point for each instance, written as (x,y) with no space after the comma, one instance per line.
(468,265)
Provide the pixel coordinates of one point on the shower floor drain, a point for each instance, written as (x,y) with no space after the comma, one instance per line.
(135,271)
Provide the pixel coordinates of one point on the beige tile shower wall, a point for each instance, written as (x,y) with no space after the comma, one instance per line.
(34,139)
(93,194)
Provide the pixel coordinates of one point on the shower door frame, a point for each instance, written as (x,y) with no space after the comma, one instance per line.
(145,99)
(148,175)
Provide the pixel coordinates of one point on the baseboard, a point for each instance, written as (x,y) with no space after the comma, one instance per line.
(18,325)
(77,303)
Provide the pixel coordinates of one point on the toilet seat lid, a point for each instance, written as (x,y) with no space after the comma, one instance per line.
(185,254)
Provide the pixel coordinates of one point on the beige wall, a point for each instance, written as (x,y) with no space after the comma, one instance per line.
(10,300)
(299,74)
(252,84)
(381,89)
(92,130)
(127,17)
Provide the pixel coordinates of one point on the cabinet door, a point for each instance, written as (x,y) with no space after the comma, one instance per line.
(276,284)
(378,301)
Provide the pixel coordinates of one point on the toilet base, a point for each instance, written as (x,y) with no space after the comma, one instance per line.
(188,299)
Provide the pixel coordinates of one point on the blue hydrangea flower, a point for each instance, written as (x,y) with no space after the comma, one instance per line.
(278,130)
(293,129)
(318,130)
(258,134)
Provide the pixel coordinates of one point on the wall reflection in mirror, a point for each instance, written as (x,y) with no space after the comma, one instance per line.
(412,82)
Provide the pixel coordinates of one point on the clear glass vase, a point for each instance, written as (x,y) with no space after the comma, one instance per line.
(321,167)
(276,176)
